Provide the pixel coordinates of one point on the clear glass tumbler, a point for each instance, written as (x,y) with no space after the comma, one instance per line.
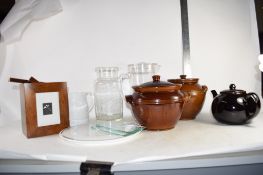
(108,94)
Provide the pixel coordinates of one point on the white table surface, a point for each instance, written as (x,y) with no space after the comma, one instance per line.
(200,137)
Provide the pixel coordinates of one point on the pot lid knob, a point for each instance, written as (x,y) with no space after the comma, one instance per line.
(232,87)
(156,78)
(183,76)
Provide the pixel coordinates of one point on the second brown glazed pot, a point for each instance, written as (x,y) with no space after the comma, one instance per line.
(197,96)
(157,105)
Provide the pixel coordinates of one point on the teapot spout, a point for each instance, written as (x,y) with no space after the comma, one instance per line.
(214,93)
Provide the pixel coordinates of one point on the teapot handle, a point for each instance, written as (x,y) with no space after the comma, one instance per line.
(252,104)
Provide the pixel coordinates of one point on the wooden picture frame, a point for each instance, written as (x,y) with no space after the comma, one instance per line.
(44,108)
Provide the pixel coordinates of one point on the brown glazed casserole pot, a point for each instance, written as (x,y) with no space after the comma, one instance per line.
(197,96)
(157,105)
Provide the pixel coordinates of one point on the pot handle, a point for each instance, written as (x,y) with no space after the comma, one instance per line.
(204,88)
(187,97)
(252,104)
(129,99)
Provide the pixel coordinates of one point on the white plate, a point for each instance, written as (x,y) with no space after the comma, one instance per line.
(101,133)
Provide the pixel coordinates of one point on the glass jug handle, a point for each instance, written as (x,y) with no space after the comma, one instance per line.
(124,78)
(90,100)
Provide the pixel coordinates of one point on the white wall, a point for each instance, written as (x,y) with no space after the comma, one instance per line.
(90,33)
(223,45)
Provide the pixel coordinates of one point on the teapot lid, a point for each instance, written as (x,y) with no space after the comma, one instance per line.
(233,90)
(157,86)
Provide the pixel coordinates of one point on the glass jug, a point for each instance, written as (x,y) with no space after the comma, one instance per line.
(107,93)
(138,74)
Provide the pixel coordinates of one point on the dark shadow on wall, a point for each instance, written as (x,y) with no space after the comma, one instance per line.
(259,13)
(5,6)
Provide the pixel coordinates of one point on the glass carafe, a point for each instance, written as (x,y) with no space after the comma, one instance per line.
(142,72)
(107,93)
(138,74)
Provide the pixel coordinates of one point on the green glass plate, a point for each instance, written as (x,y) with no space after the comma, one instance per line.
(96,133)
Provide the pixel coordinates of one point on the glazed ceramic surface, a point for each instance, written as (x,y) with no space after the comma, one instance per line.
(157,105)
(197,96)
(235,106)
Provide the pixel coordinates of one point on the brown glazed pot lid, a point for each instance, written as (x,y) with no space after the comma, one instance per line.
(188,84)
(232,90)
(184,80)
(157,92)
(157,86)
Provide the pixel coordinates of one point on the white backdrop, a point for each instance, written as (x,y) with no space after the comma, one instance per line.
(90,33)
